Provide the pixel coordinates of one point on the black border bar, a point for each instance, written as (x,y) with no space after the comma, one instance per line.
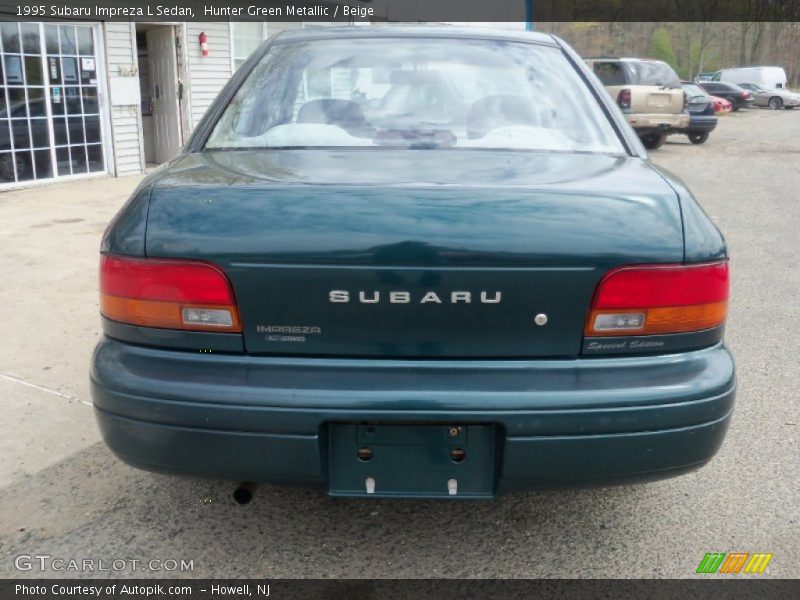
(706,587)
(322,11)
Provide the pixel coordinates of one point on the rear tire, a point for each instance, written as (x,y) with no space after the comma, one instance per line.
(775,103)
(698,138)
(654,141)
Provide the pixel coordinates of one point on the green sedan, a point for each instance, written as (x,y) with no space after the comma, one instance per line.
(414,262)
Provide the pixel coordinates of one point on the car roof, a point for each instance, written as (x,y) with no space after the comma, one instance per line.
(412,31)
(625,59)
(753,67)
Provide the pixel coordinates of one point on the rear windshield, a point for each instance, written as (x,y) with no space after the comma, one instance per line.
(415,93)
(653,72)
(610,73)
(694,91)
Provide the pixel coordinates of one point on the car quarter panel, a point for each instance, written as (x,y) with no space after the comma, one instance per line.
(125,234)
(703,240)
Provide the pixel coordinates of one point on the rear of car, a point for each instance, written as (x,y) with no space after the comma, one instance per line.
(702,117)
(358,279)
(648,92)
(772,98)
(737,96)
(721,106)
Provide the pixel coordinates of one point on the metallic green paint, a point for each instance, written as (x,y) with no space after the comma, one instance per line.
(652,344)
(198,341)
(288,227)
(267,418)
(412,460)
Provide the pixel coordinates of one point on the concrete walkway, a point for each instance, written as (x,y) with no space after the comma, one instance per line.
(49,243)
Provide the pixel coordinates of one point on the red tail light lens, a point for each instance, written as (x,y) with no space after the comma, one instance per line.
(745,94)
(168,294)
(624,98)
(659,299)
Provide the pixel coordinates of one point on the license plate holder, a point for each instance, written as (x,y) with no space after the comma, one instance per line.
(411,460)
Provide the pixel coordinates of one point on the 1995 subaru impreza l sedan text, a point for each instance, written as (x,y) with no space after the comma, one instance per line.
(414,262)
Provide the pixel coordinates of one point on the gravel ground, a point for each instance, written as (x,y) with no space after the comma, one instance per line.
(63,494)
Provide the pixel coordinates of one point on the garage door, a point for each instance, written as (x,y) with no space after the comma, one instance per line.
(50,123)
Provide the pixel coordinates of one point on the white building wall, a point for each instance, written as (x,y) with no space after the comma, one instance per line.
(206,75)
(126,121)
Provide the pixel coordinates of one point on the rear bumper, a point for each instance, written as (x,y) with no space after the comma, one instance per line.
(701,124)
(561,422)
(649,122)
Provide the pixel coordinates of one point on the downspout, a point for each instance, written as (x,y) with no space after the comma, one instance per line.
(528,15)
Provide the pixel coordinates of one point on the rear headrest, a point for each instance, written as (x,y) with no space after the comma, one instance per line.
(342,113)
(415,77)
(504,110)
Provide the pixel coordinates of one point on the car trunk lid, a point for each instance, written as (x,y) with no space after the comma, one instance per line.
(657,99)
(414,253)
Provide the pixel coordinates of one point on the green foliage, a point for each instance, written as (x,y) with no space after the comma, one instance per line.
(662,48)
(582,26)
(688,71)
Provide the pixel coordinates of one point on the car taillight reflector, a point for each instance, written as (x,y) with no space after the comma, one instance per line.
(659,299)
(168,294)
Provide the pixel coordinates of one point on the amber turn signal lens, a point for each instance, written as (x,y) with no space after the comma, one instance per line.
(659,299)
(164,315)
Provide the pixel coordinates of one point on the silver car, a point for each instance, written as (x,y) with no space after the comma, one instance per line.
(775,99)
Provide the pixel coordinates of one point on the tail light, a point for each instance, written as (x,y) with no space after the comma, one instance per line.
(659,299)
(745,94)
(624,98)
(169,294)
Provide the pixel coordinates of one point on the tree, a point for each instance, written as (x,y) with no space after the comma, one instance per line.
(662,47)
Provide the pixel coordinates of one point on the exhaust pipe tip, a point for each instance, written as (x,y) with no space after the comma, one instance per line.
(244,493)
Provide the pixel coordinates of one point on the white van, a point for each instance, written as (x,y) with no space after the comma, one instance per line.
(768,78)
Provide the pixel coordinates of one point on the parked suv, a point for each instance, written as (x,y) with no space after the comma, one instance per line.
(649,92)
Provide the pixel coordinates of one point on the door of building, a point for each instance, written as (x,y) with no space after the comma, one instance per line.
(162,63)
(50,113)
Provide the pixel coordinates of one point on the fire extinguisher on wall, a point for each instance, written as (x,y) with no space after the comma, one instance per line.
(203,44)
